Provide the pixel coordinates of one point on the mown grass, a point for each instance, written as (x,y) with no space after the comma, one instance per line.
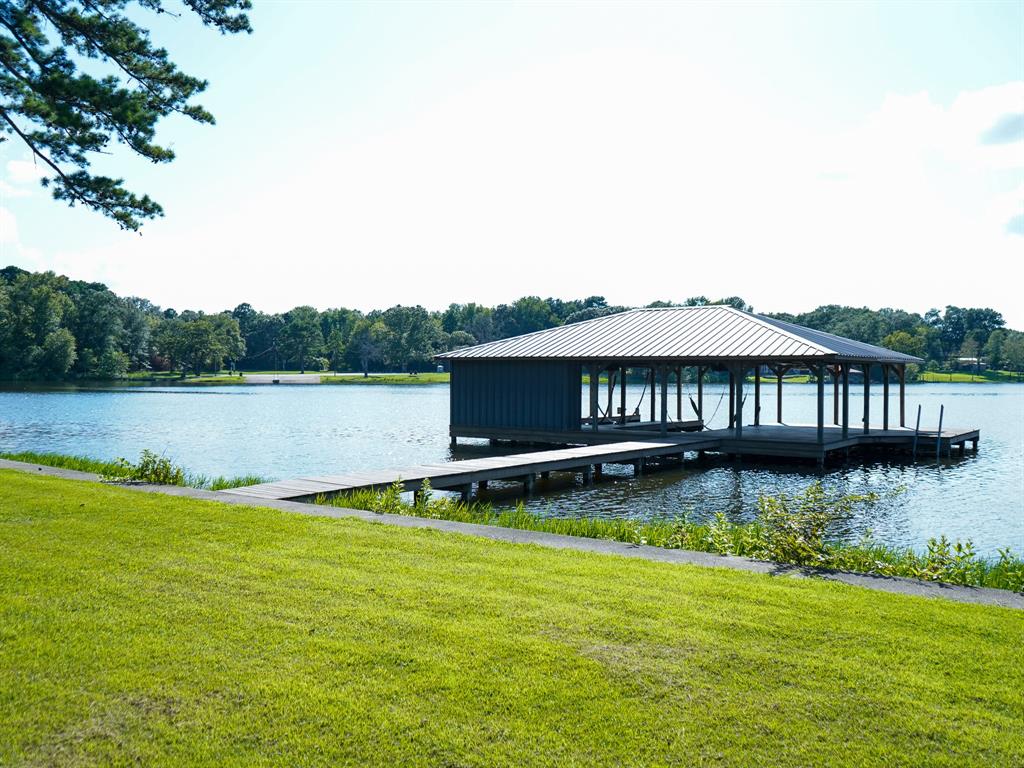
(389,378)
(151,630)
(959,377)
(117,469)
(788,529)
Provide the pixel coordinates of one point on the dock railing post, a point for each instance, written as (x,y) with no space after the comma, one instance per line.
(903,392)
(679,393)
(834,370)
(938,435)
(917,430)
(885,396)
(594,379)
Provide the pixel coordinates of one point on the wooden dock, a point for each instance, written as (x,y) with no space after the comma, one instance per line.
(617,446)
(461,475)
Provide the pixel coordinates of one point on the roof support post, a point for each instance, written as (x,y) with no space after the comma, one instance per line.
(885,395)
(654,399)
(738,378)
(846,400)
(866,367)
(700,392)
(664,399)
(780,371)
(732,397)
(594,378)
(820,375)
(622,395)
(679,393)
(903,392)
(757,395)
(835,394)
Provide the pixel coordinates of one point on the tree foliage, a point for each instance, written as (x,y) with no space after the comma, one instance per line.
(65,114)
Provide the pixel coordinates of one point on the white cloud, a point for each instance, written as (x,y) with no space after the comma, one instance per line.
(621,173)
(24,171)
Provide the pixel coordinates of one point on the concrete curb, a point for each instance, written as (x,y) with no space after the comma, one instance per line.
(892,584)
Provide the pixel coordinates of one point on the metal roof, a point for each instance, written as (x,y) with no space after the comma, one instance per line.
(714,333)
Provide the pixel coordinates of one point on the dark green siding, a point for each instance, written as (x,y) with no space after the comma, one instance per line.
(515,395)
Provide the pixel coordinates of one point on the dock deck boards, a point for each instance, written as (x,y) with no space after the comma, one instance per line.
(608,446)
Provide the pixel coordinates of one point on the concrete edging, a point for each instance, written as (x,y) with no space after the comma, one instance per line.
(892,584)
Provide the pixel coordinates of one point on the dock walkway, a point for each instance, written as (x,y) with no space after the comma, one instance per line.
(620,446)
(460,475)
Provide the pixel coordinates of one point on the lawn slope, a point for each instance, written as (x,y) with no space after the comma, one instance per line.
(143,629)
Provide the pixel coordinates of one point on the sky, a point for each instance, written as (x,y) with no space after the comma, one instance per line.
(367,155)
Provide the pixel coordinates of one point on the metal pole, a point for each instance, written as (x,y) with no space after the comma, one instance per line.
(938,436)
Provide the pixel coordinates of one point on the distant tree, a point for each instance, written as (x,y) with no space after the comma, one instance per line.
(301,337)
(335,349)
(413,336)
(367,343)
(526,315)
(460,339)
(993,349)
(901,341)
(57,354)
(1013,352)
(52,101)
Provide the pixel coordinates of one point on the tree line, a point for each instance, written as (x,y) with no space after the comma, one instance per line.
(52,327)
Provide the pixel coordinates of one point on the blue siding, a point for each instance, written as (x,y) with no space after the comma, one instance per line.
(515,395)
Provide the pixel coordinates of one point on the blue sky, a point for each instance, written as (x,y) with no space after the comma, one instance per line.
(372,154)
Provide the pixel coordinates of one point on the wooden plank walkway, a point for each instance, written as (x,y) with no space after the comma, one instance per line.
(460,474)
(625,446)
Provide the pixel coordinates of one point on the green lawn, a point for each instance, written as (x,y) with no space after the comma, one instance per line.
(141,629)
(961,377)
(388,378)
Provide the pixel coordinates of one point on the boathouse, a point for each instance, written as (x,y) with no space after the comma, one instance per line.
(530,388)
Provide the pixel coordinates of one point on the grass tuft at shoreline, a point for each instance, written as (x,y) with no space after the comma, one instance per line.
(788,529)
(120,469)
(388,378)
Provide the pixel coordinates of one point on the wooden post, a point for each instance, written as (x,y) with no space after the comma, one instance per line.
(664,399)
(738,377)
(885,396)
(650,388)
(732,398)
(821,403)
(679,393)
(700,392)
(903,392)
(529,481)
(594,377)
(780,371)
(866,368)
(622,395)
(846,400)
(835,394)
(757,395)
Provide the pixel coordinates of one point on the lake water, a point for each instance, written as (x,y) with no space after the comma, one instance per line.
(290,431)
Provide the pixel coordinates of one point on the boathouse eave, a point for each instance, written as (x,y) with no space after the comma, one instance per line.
(706,335)
(611,361)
